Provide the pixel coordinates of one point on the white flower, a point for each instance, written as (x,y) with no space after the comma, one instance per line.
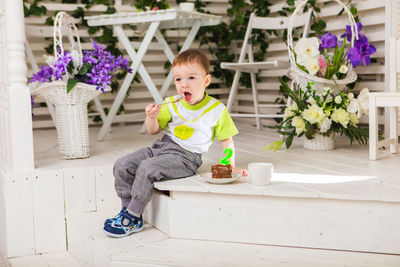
(49,60)
(314,114)
(343,69)
(353,106)
(341,116)
(289,110)
(326,90)
(350,95)
(363,100)
(338,99)
(299,124)
(311,64)
(353,119)
(76,58)
(325,125)
(307,48)
(311,100)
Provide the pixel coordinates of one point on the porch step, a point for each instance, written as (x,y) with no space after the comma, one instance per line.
(151,247)
(356,213)
(61,259)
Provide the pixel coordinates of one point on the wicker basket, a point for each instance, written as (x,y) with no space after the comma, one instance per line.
(71,108)
(320,142)
(302,78)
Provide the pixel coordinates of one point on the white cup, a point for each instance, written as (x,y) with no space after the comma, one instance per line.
(260,173)
(186,6)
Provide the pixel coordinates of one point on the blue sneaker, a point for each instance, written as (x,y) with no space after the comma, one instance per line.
(108,221)
(124,225)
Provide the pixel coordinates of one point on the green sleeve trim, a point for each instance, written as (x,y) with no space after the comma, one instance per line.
(164,117)
(225,126)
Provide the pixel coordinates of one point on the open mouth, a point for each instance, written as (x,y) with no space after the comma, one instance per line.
(188,96)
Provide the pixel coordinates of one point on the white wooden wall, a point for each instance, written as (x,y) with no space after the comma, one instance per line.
(16,145)
(371,12)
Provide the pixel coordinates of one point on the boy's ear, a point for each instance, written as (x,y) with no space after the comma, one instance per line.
(207,80)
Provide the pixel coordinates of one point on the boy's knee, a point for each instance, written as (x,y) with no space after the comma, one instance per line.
(146,171)
(119,169)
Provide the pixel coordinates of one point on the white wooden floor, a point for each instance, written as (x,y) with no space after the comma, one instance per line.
(343,173)
(318,166)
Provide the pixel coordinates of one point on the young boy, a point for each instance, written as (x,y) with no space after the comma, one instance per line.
(190,125)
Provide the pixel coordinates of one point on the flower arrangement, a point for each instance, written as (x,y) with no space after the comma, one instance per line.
(324,113)
(97,68)
(312,55)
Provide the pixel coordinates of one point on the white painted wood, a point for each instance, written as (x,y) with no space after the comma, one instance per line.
(152,248)
(157,211)
(62,259)
(17,122)
(80,190)
(283,221)
(48,211)
(106,196)
(17,215)
(391,100)
(34,261)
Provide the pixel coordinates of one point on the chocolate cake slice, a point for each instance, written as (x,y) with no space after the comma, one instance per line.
(221,171)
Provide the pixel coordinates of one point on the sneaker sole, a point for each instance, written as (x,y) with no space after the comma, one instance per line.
(123,235)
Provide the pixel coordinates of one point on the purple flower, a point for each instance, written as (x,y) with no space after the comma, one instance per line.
(44,75)
(327,41)
(348,33)
(98,66)
(361,52)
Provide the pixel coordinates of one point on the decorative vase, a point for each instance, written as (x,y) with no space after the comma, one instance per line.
(320,142)
(71,115)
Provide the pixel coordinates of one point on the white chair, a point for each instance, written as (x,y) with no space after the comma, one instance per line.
(252,67)
(391,100)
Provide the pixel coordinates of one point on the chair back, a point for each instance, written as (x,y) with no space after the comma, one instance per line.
(277,23)
(394,63)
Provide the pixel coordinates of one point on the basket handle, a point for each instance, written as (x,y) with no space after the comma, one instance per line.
(353,26)
(63,19)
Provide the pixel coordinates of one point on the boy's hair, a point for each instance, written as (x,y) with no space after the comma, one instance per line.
(193,56)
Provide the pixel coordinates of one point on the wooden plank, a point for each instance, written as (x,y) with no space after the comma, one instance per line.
(347,225)
(106,196)
(17,219)
(80,189)
(48,208)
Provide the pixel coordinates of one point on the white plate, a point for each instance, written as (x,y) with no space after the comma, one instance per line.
(207,176)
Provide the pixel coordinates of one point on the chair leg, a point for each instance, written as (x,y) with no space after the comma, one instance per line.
(255,99)
(232,93)
(373,128)
(394,129)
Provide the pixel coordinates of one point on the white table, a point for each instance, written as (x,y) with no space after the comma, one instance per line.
(153,21)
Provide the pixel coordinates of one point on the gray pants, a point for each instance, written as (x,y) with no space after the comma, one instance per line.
(135,173)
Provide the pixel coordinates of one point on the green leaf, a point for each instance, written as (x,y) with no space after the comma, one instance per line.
(289,141)
(71,84)
(84,69)
(274,146)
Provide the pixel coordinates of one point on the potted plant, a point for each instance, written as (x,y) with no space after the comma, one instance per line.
(320,115)
(69,81)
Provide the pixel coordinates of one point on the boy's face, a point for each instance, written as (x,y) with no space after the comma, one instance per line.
(191,81)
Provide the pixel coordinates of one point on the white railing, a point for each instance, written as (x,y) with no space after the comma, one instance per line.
(16,141)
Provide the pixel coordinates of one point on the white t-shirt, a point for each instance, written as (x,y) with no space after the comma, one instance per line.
(194,127)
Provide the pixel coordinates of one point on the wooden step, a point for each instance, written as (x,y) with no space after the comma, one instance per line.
(151,247)
(60,259)
(356,213)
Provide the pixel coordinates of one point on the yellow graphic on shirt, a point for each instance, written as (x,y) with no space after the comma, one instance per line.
(183,132)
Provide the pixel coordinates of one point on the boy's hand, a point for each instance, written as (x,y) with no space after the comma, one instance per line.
(152,111)
(242,172)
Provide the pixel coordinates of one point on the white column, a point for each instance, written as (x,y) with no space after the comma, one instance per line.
(20,118)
